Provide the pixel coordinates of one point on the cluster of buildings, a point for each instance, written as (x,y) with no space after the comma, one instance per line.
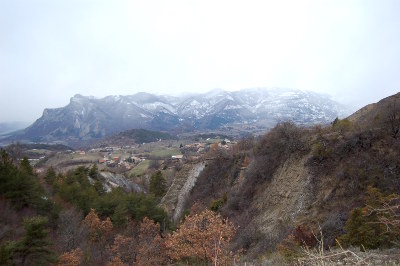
(116,161)
(196,147)
(201,148)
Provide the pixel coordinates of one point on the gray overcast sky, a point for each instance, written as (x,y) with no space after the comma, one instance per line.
(51,50)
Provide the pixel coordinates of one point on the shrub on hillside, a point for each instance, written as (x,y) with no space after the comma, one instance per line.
(274,148)
(218,203)
(203,237)
(375,225)
(341,125)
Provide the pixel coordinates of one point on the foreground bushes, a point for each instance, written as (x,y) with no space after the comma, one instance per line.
(203,237)
(376,225)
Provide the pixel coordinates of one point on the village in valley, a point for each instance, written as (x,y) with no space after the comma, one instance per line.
(130,161)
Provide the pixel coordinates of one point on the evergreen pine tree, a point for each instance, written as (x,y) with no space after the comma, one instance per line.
(98,186)
(120,215)
(6,253)
(34,248)
(26,167)
(93,171)
(158,185)
(50,176)
(7,172)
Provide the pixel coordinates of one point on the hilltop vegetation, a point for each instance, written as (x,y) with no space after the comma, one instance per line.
(309,178)
(261,199)
(40,146)
(134,136)
(146,136)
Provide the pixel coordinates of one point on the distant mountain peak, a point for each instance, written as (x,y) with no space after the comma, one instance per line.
(86,117)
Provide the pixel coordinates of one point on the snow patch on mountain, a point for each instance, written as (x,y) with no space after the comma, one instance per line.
(86,118)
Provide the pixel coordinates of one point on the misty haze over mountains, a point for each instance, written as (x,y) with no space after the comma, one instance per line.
(9,127)
(87,118)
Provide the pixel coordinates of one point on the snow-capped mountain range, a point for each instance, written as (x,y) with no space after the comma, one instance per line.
(86,118)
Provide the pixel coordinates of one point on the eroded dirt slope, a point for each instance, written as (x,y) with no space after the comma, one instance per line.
(184,180)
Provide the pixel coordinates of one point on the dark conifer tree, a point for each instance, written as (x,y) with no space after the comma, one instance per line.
(158,185)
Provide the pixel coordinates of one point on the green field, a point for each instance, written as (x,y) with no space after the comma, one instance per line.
(140,169)
(165,152)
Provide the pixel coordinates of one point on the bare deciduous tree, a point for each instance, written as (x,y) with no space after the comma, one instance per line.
(71,234)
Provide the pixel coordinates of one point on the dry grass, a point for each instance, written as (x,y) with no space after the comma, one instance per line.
(320,256)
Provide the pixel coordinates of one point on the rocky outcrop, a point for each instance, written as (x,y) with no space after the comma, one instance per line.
(185,179)
(112,180)
(288,195)
(183,193)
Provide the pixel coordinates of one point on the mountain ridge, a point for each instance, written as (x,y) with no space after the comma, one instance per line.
(86,117)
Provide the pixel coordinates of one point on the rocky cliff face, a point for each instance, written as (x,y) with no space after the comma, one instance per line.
(111,180)
(86,118)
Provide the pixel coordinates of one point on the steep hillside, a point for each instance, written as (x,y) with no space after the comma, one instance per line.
(288,195)
(174,200)
(377,114)
(308,177)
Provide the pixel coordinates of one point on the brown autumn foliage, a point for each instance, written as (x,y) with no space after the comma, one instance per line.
(98,230)
(72,258)
(213,149)
(124,248)
(205,236)
(197,208)
(299,237)
(144,248)
(246,161)
(151,249)
(99,237)
(116,261)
